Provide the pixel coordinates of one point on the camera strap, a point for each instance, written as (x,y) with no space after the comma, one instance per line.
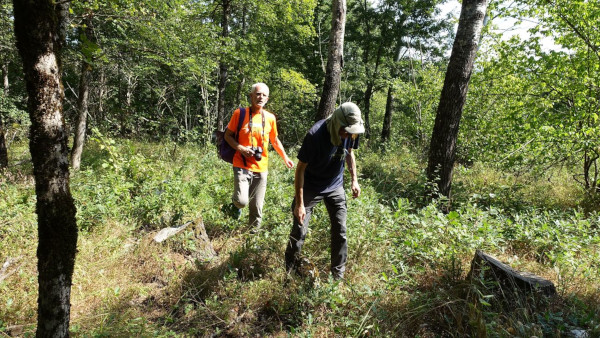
(262,131)
(241,119)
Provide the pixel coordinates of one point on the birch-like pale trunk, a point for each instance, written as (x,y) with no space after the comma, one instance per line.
(82,102)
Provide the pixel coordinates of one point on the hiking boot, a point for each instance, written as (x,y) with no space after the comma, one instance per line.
(338,276)
(303,268)
(292,265)
(255,230)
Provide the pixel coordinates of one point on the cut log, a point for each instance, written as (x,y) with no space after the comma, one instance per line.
(205,250)
(491,268)
(170,232)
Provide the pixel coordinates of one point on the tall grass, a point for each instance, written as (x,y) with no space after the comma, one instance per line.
(407,262)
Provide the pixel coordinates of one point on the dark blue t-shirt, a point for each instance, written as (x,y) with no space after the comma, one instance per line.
(325,170)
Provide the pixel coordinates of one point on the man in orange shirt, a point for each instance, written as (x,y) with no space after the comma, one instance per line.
(251,160)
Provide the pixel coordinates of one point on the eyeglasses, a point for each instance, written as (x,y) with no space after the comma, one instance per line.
(346,134)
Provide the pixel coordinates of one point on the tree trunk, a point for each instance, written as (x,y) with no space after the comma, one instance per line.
(386,130)
(590,158)
(242,80)
(223,68)
(418,109)
(3,150)
(102,90)
(5,77)
(82,101)
(121,97)
(442,149)
(369,91)
(335,62)
(240,89)
(126,99)
(367,105)
(37,27)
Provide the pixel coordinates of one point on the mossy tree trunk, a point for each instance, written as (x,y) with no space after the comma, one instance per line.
(38,28)
(333,71)
(442,149)
(3,149)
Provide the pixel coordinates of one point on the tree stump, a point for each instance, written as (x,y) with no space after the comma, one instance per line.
(489,268)
(205,248)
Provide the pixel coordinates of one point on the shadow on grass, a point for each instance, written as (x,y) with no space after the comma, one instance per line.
(241,294)
(449,304)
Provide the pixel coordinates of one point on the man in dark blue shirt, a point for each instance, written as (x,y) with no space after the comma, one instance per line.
(320,176)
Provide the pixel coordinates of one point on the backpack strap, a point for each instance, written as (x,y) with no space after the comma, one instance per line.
(240,121)
(239,127)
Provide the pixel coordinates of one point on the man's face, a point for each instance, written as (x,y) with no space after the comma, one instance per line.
(259,97)
(344,134)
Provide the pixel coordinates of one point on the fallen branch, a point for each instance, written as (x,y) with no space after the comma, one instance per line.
(3,271)
(170,232)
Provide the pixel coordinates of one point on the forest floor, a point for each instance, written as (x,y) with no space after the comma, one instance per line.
(407,267)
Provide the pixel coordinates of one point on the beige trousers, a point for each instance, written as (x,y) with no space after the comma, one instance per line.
(249,189)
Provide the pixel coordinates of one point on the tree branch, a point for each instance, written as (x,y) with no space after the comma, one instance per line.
(580,34)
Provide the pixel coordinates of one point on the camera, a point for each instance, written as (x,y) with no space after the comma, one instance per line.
(257,152)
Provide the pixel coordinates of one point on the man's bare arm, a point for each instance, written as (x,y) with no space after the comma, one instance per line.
(299,210)
(278,146)
(351,163)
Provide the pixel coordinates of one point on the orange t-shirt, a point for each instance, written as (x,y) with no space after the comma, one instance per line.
(253,139)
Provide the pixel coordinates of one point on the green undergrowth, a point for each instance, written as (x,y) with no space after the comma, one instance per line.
(407,268)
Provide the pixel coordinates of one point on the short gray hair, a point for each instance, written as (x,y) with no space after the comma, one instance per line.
(253,89)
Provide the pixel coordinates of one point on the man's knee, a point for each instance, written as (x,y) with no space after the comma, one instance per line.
(339,237)
(240,203)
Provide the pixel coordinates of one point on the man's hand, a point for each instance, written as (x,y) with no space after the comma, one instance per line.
(245,151)
(288,162)
(300,212)
(355,189)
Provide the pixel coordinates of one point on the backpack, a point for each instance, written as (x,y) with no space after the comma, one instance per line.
(225,151)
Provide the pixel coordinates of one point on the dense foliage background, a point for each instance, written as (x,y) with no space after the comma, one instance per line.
(155,73)
(526,186)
